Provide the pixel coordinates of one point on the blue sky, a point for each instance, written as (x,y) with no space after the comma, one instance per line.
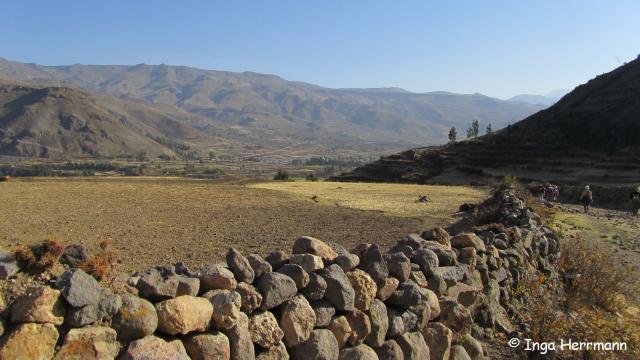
(498,48)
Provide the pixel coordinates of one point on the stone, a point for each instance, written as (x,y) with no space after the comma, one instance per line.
(277,258)
(360,326)
(3,326)
(226,307)
(109,303)
(239,266)
(413,346)
(415,241)
(458,352)
(468,240)
(310,245)
(89,343)
(78,317)
(387,288)
(249,296)
(259,265)
(341,330)
(308,262)
(30,341)
(339,291)
(8,270)
(135,319)
(297,320)
(207,346)
(74,255)
(372,262)
(455,316)
(404,249)
(264,329)
(390,350)
(324,312)
(217,277)
(439,235)
(466,295)
(364,287)
(316,287)
(79,288)
(396,323)
(452,274)
(472,346)
(277,352)
(321,345)
(240,339)
(339,249)
(410,320)
(360,352)
(438,338)
(446,256)
(184,314)
(407,294)
(188,286)
(437,284)
(347,262)
(431,299)
(427,260)
(297,273)
(160,283)
(152,347)
(419,278)
(379,323)
(399,265)
(38,304)
(275,289)
(469,256)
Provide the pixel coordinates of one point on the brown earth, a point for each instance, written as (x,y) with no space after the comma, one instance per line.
(154,220)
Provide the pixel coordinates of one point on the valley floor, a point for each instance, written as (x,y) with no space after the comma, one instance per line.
(156,220)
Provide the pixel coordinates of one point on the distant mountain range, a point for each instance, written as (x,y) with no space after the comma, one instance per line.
(592,135)
(148,107)
(544,100)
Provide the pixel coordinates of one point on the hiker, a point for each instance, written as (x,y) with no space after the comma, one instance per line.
(541,192)
(635,201)
(586,198)
(554,192)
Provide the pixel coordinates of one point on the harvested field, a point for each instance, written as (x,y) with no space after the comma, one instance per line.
(156,220)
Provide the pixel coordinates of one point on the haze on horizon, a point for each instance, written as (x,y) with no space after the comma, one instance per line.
(497,48)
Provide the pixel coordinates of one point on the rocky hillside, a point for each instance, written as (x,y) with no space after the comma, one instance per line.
(589,136)
(254,112)
(432,296)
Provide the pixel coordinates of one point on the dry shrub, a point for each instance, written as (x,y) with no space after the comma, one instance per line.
(101,264)
(40,257)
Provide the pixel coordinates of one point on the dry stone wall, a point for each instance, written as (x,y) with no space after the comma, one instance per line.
(432,296)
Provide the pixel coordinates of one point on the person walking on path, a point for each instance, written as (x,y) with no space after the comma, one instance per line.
(635,201)
(586,198)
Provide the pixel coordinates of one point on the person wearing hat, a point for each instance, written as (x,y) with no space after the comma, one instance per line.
(635,201)
(586,198)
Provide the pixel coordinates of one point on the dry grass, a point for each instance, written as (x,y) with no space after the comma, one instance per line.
(102,263)
(391,199)
(40,257)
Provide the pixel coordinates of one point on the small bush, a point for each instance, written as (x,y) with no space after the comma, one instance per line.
(101,264)
(282,174)
(40,257)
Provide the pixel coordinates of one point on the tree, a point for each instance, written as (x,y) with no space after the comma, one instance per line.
(474,130)
(453,134)
(489,129)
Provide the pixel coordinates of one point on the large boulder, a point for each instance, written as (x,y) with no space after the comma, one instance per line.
(455,316)
(468,240)
(214,345)
(387,288)
(226,307)
(321,345)
(341,330)
(360,352)
(297,320)
(413,346)
(162,283)
(324,312)
(439,235)
(399,265)
(347,262)
(427,260)
(365,288)
(277,352)
(39,304)
(339,291)
(259,265)
(275,289)
(316,287)
(308,262)
(277,258)
(240,266)
(74,255)
(390,350)
(438,338)
(372,262)
(406,295)
(297,273)
(217,277)
(135,319)
(249,296)
(379,323)
(310,245)
(184,314)
(240,339)
(152,347)
(30,341)
(360,326)
(79,288)
(89,343)
(264,329)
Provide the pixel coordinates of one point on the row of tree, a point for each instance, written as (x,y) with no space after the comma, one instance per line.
(472,132)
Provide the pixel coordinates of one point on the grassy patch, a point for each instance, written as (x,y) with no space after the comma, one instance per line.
(391,199)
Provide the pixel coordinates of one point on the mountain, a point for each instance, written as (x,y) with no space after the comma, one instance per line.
(590,136)
(257,114)
(534,99)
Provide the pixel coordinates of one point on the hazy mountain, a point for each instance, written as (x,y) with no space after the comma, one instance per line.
(252,113)
(534,99)
(591,135)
